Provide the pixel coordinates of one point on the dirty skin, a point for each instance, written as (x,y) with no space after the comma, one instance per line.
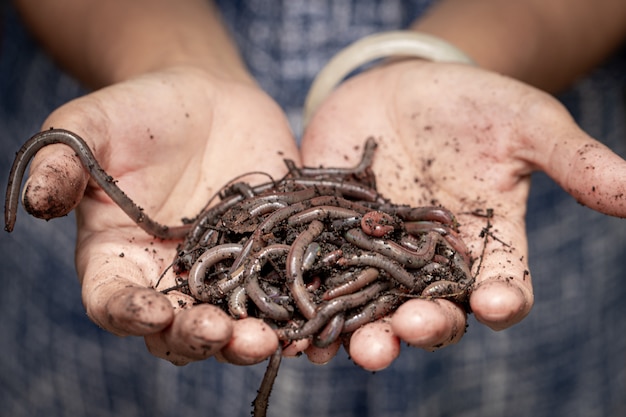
(316,254)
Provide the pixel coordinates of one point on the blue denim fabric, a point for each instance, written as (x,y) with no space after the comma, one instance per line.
(568,358)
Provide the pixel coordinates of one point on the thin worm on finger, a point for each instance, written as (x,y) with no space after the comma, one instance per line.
(88,160)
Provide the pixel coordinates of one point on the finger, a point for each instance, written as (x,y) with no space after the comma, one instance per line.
(374,346)
(582,166)
(252,342)
(57,177)
(118,270)
(117,297)
(322,355)
(429,324)
(196,333)
(296,347)
(502,295)
(56,183)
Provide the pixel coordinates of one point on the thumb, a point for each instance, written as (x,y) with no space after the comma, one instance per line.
(588,170)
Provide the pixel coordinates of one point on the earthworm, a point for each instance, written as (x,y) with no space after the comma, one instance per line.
(330,332)
(88,160)
(310,255)
(376,260)
(446,289)
(331,257)
(330,308)
(237,303)
(392,250)
(263,302)
(209,258)
(377,223)
(373,310)
(360,280)
(341,278)
(266,207)
(347,223)
(321,213)
(289,197)
(365,163)
(295,280)
(346,189)
(261,401)
(416,228)
(243,189)
(427,213)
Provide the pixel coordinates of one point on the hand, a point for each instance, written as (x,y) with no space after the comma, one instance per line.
(170,139)
(466,139)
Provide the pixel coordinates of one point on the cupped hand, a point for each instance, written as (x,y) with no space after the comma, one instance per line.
(170,139)
(467,139)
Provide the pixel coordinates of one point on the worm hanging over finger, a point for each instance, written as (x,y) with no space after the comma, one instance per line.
(104,180)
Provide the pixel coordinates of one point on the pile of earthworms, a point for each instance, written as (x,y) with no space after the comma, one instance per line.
(320,252)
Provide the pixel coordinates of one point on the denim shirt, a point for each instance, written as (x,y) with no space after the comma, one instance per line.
(567,358)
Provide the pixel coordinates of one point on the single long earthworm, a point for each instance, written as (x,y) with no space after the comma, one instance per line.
(99,175)
(261,401)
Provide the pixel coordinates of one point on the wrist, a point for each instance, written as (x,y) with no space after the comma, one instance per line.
(104,42)
(390,46)
(176,35)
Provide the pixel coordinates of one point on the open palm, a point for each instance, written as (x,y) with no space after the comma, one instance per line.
(171,140)
(466,139)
